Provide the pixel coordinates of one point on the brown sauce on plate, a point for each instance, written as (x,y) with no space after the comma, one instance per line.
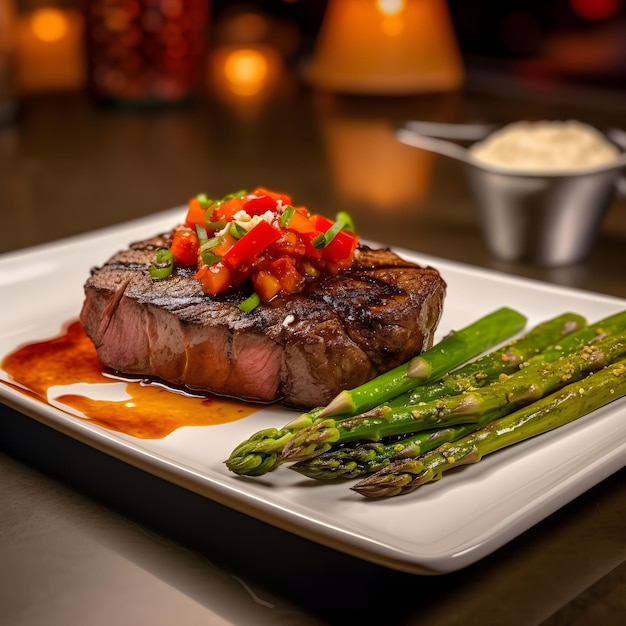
(152,410)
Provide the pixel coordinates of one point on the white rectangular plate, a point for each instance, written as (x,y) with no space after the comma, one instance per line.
(439,528)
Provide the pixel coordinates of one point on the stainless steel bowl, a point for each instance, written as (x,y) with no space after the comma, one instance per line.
(548,219)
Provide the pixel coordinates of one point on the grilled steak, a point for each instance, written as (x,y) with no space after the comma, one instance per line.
(302,349)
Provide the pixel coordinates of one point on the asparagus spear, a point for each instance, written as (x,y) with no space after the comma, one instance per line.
(564,406)
(369,457)
(452,351)
(261,452)
(587,335)
(475,406)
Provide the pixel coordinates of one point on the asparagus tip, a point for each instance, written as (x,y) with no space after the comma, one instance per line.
(252,464)
(418,368)
(341,403)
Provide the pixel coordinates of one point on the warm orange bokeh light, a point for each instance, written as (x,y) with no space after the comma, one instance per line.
(392,18)
(48,24)
(371,167)
(49,50)
(246,76)
(246,71)
(390,7)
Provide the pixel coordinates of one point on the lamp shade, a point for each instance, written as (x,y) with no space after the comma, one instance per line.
(386,47)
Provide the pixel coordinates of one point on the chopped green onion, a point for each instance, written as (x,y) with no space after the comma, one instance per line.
(217,225)
(323,239)
(203,236)
(208,257)
(235,194)
(204,200)
(319,242)
(250,303)
(159,273)
(237,230)
(163,265)
(211,243)
(285,218)
(346,218)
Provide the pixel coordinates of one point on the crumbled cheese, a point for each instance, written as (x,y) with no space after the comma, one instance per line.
(546,145)
(241,216)
(290,319)
(254,221)
(247,221)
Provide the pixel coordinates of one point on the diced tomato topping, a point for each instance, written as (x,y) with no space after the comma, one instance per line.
(251,244)
(276,255)
(228,242)
(276,196)
(195,213)
(289,243)
(341,248)
(343,245)
(214,278)
(184,247)
(309,249)
(266,285)
(320,223)
(284,268)
(225,210)
(300,223)
(257,205)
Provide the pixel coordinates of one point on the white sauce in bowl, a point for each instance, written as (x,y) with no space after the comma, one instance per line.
(547,146)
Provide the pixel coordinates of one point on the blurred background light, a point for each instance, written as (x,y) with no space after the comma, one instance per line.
(370,167)
(246,71)
(390,7)
(245,77)
(386,47)
(596,9)
(381,47)
(49,50)
(392,23)
(49,24)
(146,52)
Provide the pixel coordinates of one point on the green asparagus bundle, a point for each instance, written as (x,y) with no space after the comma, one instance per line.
(363,458)
(564,406)
(261,452)
(476,406)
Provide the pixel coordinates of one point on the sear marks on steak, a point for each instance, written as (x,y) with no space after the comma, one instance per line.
(302,349)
